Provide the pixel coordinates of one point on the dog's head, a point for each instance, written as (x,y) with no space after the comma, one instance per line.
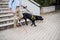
(39,18)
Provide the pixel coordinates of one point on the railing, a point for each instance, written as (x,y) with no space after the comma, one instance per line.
(32,6)
(34,3)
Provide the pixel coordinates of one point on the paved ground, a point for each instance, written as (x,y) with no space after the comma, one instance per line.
(49,29)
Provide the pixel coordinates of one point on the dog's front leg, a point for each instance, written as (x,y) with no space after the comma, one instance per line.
(33,23)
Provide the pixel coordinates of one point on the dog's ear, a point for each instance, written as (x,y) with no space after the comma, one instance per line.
(41,17)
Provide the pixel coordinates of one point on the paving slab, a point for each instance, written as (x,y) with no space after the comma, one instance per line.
(49,29)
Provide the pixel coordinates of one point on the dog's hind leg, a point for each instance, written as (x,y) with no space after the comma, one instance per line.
(26,22)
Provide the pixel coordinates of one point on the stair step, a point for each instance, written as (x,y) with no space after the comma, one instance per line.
(5,0)
(4,8)
(2,18)
(5,3)
(6,15)
(6,24)
(10,19)
(6,19)
(5,12)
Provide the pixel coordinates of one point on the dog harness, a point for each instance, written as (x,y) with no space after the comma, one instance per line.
(33,17)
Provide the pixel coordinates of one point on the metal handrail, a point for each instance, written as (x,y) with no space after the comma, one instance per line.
(34,3)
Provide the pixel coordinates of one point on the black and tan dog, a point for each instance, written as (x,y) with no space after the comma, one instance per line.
(33,18)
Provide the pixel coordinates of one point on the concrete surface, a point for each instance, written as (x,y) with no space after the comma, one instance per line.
(49,29)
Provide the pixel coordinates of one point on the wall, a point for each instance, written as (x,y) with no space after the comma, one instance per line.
(47,9)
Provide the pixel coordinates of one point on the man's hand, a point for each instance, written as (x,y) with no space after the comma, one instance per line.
(24,6)
(11,10)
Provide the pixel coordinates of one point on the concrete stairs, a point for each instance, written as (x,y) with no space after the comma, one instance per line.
(6,18)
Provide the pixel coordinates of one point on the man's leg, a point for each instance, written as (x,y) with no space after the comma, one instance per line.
(19,13)
(15,21)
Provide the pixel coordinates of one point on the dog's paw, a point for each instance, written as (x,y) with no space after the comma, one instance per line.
(31,24)
(35,25)
(26,23)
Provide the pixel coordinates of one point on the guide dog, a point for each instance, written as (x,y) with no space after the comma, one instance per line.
(31,17)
